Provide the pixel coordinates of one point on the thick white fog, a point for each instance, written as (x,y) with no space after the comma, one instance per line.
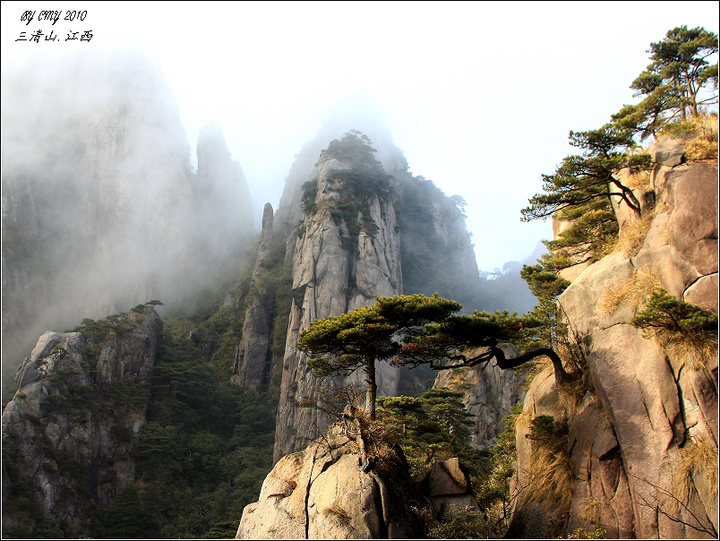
(101,208)
(479,96)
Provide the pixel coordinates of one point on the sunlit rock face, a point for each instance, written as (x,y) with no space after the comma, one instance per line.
(327,491)
(69,430)
(334,271)
(642,445)
(99,209)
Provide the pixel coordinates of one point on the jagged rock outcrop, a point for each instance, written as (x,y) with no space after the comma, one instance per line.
(641,448)
(70,428)
(252,356)
(490,394)
(346,485)
(447,486)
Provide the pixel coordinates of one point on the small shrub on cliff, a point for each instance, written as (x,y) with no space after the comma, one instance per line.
(592,232)
(681,327)
(462,523)
(543,428)
(309,192)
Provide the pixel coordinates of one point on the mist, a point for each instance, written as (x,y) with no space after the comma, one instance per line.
(101,209)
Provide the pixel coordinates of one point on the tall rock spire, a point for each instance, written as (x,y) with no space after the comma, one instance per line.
(347,253)
(222,197)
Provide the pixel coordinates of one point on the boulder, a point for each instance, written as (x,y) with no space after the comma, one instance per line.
(330,490)
(704,293)
(668,151)
(448,486)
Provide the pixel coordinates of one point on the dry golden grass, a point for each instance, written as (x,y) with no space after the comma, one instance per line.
(696,349)
(550,478)
(700,135)
(633,235)
(522,420)
(339,513)
(548,474)
(635,291)
(696,459)
(700,149)
(593,512)
(707,127)
(704,146)
(639,181)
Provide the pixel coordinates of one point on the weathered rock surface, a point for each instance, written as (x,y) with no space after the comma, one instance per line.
(324,492)
(447,486)
(342,262)
(490,394)
(68,431)
(334,272)
(252,355)
(650,406)
(668,151)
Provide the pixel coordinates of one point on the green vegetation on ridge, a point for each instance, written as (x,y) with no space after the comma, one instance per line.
(581,190)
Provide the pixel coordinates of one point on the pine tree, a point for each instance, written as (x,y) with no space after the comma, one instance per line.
(362,337)
(671,85)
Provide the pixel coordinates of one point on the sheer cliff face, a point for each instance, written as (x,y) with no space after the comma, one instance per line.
(99,209)
(642,448)
(489,396)
(68,431)
(341,261)
(340,230)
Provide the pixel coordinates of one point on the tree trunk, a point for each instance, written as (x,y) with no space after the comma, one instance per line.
(561,376)
(371,391)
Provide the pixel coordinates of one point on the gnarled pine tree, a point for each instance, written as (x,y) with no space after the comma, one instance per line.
(414,329)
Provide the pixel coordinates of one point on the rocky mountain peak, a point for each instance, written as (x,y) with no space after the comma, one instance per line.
(80,404)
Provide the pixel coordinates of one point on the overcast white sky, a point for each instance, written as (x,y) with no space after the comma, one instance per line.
(479,95)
